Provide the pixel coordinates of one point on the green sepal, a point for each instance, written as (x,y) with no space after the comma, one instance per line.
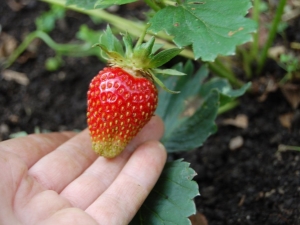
(163,57)
(144,50)
(111,56)
(168,72)
(161,84)
(111,43)
(128,45)
(142,57)
(156,47)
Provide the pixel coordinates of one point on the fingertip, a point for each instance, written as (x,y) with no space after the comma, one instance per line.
(156,148)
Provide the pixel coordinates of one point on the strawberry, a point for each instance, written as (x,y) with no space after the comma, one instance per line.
(119,105)
(122,98)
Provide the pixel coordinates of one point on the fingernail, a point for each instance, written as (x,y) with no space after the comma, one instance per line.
(161,146)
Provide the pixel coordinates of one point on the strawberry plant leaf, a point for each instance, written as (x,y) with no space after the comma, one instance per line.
(171,200)
(89,37)
(94,4)
(46,21)
(227,94)
(189,117)
(211,27)
(170,107)
(194,130)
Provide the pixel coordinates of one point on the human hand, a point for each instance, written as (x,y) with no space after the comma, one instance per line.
(56,178)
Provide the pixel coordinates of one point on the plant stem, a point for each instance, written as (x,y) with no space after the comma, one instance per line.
(161,3)
(152,5)
(271,36)
(286,78)
(283,148)
(219,68)
(119,22)
(255,16)
(227,107)
(64,49)
(21,48)
(247,59)
(133,28)
(142,37)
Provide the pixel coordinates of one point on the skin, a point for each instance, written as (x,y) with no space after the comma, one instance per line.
(56,178)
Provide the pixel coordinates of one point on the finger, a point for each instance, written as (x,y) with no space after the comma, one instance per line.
(56,170)
(12,170)
(129,190)
(33,147)
(60,167)
(69,216)
(153,130)
(97,178)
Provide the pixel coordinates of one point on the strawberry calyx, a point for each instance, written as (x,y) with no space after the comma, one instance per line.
(141,60)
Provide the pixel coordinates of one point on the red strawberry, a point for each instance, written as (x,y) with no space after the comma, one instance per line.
(119,105)
(122,98)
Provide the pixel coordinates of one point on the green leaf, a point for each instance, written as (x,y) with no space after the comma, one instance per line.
(171,200)
(227,94)
(93,4)
(196,129)
(88,35)
(53,63)
(212,27)
(170,107)
(46,21)
(189,117)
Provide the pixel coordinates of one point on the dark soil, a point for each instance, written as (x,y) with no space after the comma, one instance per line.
(251,185)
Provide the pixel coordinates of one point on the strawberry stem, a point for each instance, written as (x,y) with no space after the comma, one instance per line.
(152,5)
(142,37)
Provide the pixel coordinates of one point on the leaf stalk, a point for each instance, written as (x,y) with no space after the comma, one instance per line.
(63,49)
(271,36)
(152,5)
(219,68)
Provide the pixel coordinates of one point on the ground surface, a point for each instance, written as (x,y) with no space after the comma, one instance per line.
(251,185)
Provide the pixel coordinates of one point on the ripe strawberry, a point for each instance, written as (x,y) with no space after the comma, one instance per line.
(119,105)
(122,98)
